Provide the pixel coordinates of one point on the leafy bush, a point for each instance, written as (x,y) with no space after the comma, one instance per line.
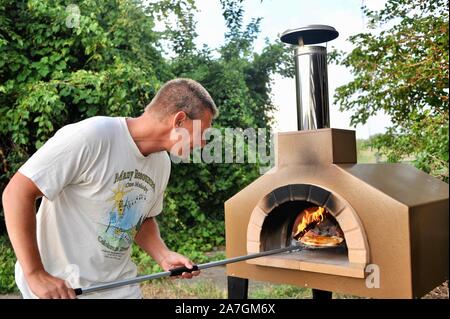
(112,64)
(403,70)
(7,261)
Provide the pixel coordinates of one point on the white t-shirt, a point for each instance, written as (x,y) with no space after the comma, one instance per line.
(98,189)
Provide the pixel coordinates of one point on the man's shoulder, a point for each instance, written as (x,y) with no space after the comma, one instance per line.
(100,123)
(96,126)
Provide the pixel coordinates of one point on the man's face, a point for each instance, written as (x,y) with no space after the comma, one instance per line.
(196,128)
(188,133)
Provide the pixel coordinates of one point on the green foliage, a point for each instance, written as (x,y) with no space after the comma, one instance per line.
(403,70)
(52,75)
(7,261)
(239,82)
(112,64)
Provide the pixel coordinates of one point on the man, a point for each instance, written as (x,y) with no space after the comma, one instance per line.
(102,182)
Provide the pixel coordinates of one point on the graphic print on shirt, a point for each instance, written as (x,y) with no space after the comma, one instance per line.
(129,199)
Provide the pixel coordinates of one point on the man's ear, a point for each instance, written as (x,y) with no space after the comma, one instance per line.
(178,119)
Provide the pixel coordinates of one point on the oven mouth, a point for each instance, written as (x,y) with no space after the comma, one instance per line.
(275,216)
(281,227)
(315,227)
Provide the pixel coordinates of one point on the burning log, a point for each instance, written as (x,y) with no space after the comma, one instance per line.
(316,224)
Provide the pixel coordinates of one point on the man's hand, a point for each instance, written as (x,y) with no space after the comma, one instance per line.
(172,260)
(149,239)
(19,199)
(45,286)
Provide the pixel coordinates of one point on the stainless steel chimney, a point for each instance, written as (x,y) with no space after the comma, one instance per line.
(311,74)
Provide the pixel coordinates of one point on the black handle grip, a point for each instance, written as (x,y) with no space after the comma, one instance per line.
(78,291)
(180,270)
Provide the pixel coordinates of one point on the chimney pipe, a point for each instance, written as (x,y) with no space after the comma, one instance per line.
(311,76)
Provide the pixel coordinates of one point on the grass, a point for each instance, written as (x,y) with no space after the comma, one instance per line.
(177,289)
(207,289)
(367,154)
(290,292)
(280,292)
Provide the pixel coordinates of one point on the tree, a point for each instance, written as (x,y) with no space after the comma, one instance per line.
(112,63)
(239,82)
(52,74)
(403,70)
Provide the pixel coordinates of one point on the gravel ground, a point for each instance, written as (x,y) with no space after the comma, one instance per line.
(440,292)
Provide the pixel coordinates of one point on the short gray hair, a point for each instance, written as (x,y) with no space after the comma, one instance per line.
(182,95)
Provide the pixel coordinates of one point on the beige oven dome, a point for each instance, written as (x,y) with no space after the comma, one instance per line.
(394,216)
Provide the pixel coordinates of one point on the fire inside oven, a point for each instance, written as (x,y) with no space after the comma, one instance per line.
(315,227)
(311,225)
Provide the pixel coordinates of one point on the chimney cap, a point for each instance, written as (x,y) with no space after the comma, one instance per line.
(310,34)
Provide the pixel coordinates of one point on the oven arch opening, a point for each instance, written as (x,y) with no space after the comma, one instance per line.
(271,223)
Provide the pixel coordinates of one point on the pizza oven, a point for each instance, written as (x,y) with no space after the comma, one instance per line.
(388,222)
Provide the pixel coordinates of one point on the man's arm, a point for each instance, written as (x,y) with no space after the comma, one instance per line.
(19,199)
(149,239)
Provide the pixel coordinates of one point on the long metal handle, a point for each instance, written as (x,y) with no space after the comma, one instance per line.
(246,257)
(179,270)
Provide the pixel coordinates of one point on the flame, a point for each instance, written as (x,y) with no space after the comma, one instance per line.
(312,214)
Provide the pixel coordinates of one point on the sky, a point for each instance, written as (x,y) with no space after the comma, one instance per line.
(279,15)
